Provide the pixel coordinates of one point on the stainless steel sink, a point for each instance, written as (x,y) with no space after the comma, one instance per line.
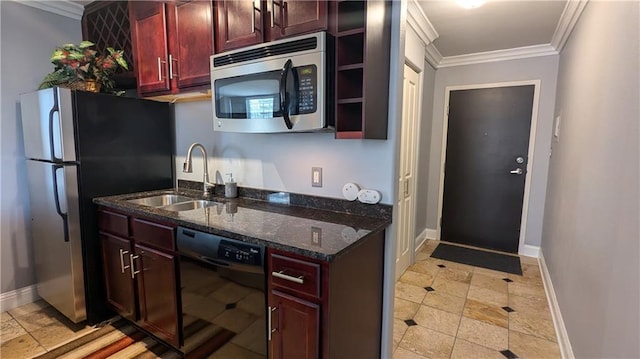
(188,206)
(160,200)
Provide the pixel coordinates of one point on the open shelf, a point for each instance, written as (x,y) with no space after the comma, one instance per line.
(351,15)
(350,49)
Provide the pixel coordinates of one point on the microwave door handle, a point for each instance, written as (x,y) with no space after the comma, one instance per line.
(284,96)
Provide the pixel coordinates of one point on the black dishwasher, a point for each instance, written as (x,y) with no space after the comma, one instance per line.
(223,296)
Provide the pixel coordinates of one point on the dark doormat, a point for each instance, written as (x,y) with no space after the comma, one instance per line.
(490,260)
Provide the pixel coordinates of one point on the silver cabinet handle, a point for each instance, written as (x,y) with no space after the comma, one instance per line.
(273,10)
(517,171)
(133,269)
(171,74)
(122,266)
(253,17)
(270,330)
(281,275)
(160,62)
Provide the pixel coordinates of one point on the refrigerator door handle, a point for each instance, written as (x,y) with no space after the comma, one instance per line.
(56,197)
(54,109)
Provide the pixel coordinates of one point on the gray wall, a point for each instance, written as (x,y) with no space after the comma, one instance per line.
(28,36)
(424,152)
(282,162)
(590,237)
(538,68)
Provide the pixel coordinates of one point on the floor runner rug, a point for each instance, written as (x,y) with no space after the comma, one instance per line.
(120,339)
(489,260)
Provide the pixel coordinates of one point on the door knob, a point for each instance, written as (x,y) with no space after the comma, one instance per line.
(517,171)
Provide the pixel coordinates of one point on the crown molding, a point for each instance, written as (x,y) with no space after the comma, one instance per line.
(419,22)
(66,8)
(570,15)
(498,55)
(433,55)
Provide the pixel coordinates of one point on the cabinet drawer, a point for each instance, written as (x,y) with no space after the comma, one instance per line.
(113,223)
(153,233)
(294,274)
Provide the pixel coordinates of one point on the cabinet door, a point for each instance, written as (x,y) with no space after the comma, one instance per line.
(295,327)
(289,18)
(117,275)
(238,24)
(157,292)
(192,43)
(149,41)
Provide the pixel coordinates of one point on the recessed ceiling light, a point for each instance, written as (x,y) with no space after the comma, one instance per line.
(470,4)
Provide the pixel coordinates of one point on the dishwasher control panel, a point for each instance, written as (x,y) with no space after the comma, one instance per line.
(239,252)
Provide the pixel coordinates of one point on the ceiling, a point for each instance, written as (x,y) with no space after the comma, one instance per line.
(496,25)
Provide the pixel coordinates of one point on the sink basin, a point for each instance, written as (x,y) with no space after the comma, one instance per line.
(160,200)
(188,206)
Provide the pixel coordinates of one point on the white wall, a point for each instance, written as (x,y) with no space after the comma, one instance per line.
(424,151)
(282,162)
(28,36)
(537,68)
(591,236)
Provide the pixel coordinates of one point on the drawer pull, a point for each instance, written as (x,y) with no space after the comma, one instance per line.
(281,275)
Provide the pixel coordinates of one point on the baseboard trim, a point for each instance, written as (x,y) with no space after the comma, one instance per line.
(18,297)
(419,241)
(431,234)
(530,251)
(561,331)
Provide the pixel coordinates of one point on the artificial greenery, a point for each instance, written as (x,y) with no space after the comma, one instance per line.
(80,63)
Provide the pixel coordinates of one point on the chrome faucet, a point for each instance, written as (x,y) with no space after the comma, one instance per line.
(187,168)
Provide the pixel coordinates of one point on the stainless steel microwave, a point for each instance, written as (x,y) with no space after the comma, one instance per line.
(279,86)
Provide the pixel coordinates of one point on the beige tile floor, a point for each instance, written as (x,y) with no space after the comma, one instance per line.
(461,315)
(34,329)
(450,310)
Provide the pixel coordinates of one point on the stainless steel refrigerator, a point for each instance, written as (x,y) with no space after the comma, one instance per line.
(80,145)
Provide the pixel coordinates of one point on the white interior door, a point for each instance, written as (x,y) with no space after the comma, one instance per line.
(406,180)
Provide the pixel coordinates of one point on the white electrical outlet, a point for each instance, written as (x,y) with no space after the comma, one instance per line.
(350,191)
(316,176)
(369,196)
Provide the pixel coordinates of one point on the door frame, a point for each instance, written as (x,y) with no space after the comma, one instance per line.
(530,159)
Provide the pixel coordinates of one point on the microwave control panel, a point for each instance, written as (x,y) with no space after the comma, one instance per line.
(307,88)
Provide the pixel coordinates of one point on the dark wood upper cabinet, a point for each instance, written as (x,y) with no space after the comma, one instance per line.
(150,45)
(193,43)
(247,22)
(238,24)
(172,42)
(289,18)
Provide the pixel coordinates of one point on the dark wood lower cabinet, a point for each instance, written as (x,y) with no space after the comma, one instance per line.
(156,273)
(115,257)
(295,325)
(326,309)
(140,262)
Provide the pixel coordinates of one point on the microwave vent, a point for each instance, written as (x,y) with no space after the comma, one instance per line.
(266,51)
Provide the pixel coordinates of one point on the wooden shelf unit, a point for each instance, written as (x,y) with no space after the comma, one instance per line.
(362,68)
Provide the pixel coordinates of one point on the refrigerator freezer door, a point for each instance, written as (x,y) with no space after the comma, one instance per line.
(47,125)
(55,231)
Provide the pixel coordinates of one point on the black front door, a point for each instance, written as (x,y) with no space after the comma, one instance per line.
(486,161)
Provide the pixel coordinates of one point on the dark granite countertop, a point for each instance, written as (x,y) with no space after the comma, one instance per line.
(276,225)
